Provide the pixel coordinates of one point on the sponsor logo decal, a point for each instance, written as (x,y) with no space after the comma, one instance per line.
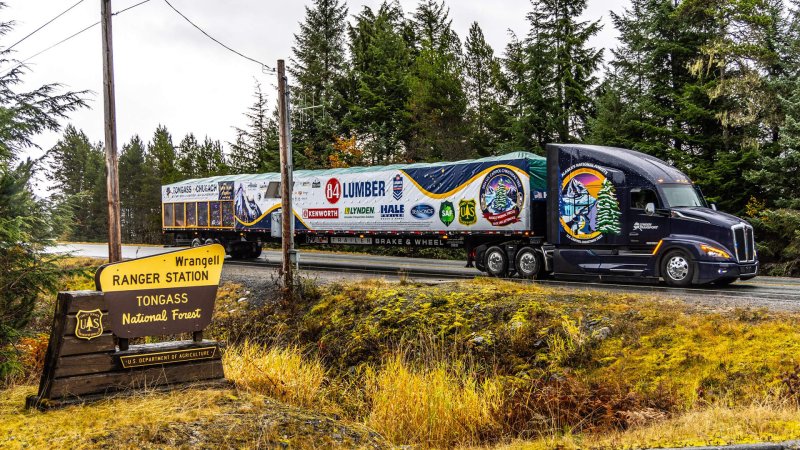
(447,213)
(226,190)
(359,211)
(502,197)
(640,226)
(392,211)
(355,189)
(423,211)
(89,324)
(588,205)
(315,184)
(466,212)
(397,187)
(321,213)
(333,190)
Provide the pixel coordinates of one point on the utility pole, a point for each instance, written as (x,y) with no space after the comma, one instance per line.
(112,160)
(287,215)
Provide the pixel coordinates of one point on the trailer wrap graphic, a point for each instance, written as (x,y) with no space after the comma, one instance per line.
(588,205)
(395,200)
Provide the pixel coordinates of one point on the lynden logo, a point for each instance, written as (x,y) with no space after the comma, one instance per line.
(423,211)
(359,211)
(89,324)
(321,213)
(639,226)
(397,187)
(392,211)
(333,190)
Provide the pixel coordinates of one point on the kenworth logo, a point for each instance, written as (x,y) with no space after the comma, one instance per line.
(423,211)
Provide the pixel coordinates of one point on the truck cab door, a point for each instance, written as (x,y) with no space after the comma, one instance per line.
(647,222)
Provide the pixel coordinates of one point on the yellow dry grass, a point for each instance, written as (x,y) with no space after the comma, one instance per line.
(282,373)
(437,406)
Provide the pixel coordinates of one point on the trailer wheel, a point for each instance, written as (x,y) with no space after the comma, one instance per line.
(496,262)
(196,242)
(528,263)
(677,268)
(209,241)
(256,252)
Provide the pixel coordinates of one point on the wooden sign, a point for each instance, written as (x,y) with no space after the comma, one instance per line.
(88,354)
(169,293)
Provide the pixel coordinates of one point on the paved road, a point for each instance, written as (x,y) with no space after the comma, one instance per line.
(761,292)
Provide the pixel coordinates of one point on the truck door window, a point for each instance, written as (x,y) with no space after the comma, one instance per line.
(641,197)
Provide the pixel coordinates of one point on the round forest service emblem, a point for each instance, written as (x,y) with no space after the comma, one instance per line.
(502,197)
(588,205)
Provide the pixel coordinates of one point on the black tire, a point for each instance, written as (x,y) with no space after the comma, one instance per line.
(677,268)
(480,254)
(239,251)
(209,241)
(196,242)
(528,263)
(256,251)
(496,262)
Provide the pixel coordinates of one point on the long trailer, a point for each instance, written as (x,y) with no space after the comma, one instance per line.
(582,212)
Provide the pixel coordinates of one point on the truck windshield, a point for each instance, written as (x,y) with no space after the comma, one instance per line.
(682,195)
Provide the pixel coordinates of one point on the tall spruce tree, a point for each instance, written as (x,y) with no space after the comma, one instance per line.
(257,147)
(319,66)
(138,187)
(481,82)
(437,103)
(379,90)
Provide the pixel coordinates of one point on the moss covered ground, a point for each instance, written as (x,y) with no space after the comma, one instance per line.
(472,364)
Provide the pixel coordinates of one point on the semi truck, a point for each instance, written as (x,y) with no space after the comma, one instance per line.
(581,212)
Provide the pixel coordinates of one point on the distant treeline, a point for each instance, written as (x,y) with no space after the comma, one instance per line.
(709,85)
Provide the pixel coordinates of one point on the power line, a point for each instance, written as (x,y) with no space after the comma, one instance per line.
(21,63)
(46,24)
(267,67)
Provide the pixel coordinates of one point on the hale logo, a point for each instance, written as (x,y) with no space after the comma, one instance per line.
(397,187)
(466,212)
(447,213)
(89,324)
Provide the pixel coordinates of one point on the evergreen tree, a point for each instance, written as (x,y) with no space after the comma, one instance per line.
(318,65)
(257,147)
(379,90)
(163,156)
(139,194)
(608,212)
(211,159)
(482,80)
(77,169)
(437,103)
(188,152)
(27,224)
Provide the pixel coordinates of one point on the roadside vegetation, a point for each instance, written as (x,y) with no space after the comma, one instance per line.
(474,364)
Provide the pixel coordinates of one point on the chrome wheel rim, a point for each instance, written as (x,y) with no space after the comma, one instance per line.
(495,262)
(527,263)
(677,268)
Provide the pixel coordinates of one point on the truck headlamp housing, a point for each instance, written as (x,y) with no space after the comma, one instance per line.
(715,252)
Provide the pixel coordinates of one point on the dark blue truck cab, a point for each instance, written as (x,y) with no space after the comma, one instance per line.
(617,214)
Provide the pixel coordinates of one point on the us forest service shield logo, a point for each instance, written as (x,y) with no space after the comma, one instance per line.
(466,212)
(447,213)
(89,324)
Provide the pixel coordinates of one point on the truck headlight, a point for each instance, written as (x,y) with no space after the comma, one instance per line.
(715,252)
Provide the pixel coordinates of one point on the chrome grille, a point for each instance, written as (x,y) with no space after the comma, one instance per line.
(743,243)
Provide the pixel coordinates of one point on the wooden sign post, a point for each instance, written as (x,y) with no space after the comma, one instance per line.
(88,354)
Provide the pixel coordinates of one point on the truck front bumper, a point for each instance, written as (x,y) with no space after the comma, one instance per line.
(710,271)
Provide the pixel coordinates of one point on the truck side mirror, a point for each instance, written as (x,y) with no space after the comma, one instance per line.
(714,206)
(650,209)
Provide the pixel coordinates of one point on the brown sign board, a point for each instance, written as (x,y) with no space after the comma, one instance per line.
(170,293)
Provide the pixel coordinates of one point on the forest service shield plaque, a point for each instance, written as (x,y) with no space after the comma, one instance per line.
(89,324)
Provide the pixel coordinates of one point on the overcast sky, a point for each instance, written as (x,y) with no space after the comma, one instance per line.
(168,73)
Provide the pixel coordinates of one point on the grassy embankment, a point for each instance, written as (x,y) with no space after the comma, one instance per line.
(473,364)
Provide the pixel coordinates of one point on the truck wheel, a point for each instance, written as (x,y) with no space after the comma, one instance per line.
(528,263)
(196,242)
(677,268)
(496,262)
(256,252)
(209,241)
